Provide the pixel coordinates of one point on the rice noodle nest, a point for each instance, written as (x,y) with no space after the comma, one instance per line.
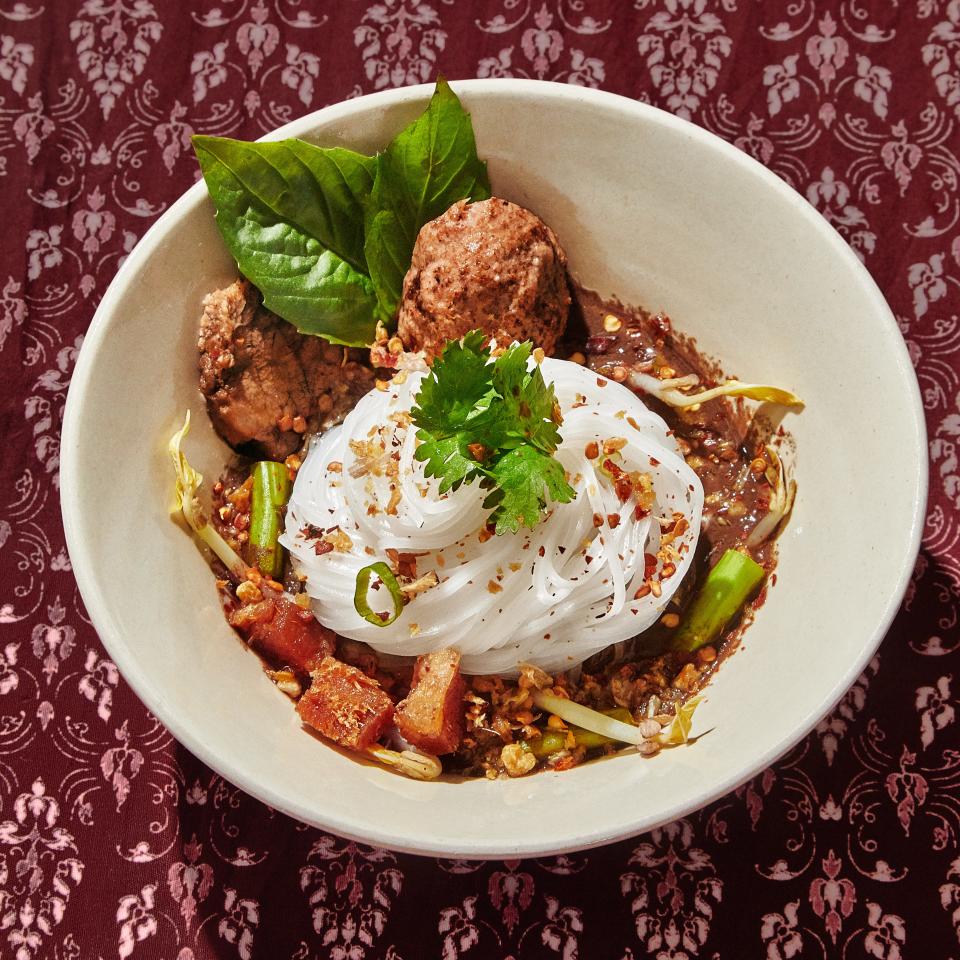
(551,596)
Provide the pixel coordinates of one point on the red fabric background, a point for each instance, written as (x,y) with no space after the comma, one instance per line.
(115,842)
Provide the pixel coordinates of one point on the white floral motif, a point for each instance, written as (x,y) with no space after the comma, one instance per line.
(93,226)
(560,932)
(399,40)
(9,680)
(15,59)
(44,407)
(833,728)
(34,900)
(674,897)
(886,935)
(511,892)
(209,70)
(942,54)
(98,682)
(43,250)
(935,706)
(351,916)
(239,923)
(831,896)
(190,881)
(13,309)
(459,928)
(119,765)
(33,126)
(781,933)
(945,455)
(826,51)
(53,642)
(257,39)
(928,283)
(136,918)
(113,44)
(782,83)
(685,46)
(301,70)
(543,45)
(873,84)
(950,894)
(832,198)
(173,136)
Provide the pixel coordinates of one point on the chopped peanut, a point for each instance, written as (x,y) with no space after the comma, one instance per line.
(517,761)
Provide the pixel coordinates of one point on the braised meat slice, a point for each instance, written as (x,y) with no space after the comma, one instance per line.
(492,266)
(431,717)
(345,705)
(284,634)
(265,383)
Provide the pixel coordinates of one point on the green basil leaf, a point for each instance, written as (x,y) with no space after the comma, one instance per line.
(323,191)
(284,248)
(428,166)
(388,259)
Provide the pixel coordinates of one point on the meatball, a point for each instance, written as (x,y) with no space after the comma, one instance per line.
(489,265)
(265,383)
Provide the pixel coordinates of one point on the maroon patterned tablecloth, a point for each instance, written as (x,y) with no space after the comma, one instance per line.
(114,842)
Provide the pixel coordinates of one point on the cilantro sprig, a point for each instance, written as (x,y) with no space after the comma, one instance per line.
(496,423)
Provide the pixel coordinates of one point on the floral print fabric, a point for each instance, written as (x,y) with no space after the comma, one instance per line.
(114,842)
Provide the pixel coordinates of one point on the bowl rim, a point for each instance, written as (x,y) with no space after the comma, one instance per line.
(379,834)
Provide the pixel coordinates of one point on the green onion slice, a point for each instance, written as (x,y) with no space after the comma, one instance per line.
(362,605)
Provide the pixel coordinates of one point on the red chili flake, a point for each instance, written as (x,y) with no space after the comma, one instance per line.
(623,488)
(654,462)
(613,519)
(649,565)
(640,512)
(612,468)
(321,547)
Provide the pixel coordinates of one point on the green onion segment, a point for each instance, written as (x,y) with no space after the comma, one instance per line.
(729,585)
(271,489)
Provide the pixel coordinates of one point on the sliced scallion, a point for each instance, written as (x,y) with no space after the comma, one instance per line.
(362,605)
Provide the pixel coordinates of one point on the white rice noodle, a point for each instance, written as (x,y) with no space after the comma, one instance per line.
(571,588)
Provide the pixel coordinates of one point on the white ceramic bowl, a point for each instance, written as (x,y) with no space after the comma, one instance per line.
(648,207)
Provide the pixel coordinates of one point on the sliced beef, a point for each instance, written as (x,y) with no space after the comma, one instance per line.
(284,634)
(431,717)
(345,705)
(265,383)
(492,266)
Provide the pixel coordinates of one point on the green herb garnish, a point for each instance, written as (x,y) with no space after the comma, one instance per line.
(327,234)
(493,422)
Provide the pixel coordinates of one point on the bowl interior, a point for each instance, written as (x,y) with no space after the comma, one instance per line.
(649,208)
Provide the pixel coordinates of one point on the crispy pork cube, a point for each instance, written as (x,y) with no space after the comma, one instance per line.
(284,634)
(345,705)
(431,717)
